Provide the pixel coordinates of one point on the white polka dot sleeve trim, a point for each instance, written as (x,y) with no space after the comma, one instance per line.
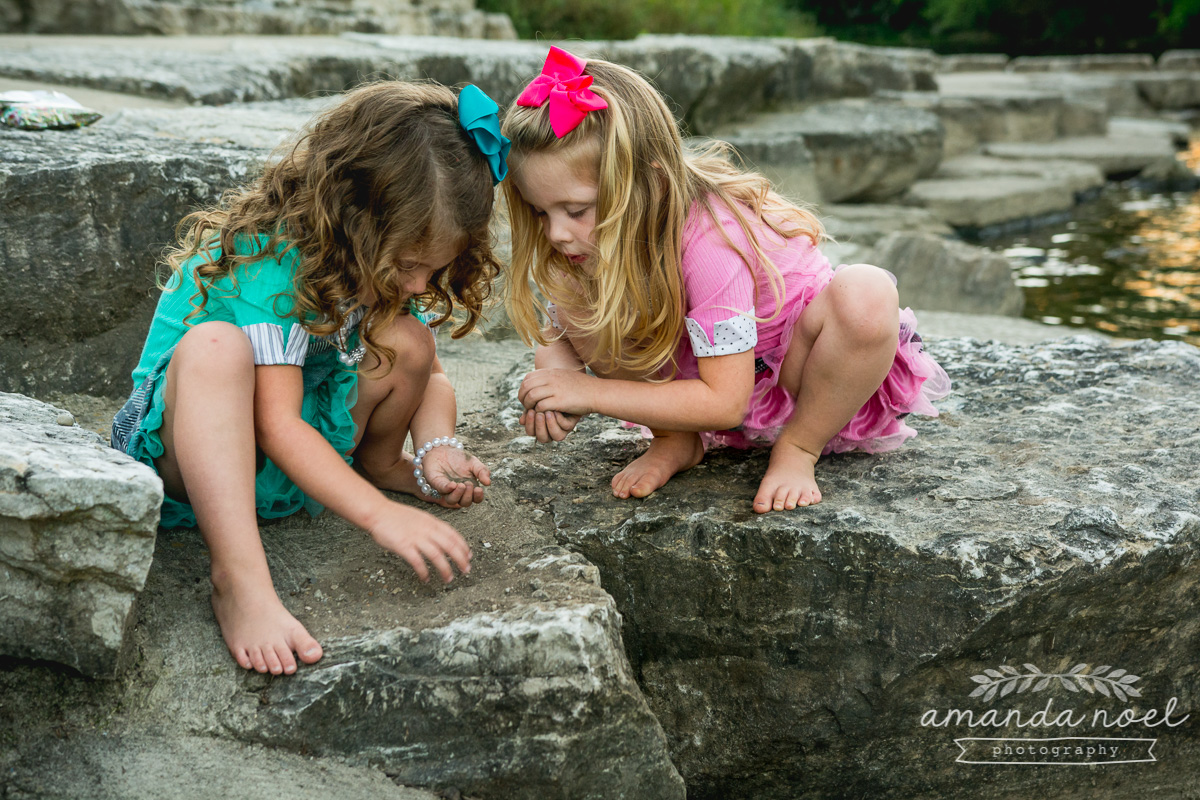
(730,336)
(552,313)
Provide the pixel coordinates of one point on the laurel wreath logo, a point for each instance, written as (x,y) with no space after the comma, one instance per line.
(1006,679)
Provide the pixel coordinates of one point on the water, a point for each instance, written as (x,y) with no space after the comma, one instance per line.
(1127,264)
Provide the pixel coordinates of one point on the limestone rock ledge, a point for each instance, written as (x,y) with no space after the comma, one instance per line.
(536,702)
(1048,516)
(77,526)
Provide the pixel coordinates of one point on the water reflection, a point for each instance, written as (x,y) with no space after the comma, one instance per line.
(1127,264)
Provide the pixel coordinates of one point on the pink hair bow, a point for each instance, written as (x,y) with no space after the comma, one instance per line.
(564,85)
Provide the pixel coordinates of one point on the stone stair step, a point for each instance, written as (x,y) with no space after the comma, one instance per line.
(975,205)
(861,150)
(1114,155)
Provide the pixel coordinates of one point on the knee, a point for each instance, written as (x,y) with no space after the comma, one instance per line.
(214,349)
(412,343)
(867,305)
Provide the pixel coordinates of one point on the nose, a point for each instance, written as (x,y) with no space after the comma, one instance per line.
(557,231)
(414,282)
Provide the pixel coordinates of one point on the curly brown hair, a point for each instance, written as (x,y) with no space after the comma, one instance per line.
(385,172)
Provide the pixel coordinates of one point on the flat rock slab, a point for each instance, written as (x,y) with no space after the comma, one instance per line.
(509,682)
(1080,177)
(861,151)
(77,525)
(709,79)
(978,194)
(101,767)
(87,215)
(974,204)
(1047,517)
(946,275)
(1114,155)
(972,118)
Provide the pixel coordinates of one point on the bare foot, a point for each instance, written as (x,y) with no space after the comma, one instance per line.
(790,480)
(668,454)
(258,630)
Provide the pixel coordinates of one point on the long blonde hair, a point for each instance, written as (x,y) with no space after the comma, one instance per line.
(388,170)
(632,303)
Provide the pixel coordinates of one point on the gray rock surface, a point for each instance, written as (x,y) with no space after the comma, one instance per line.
(1179,60)
(973,118)
(88,213)
(946,275)
(710,79)
(846,69)
(1048,517)
(861,151)
(783,158)
(974,205)
(981,194)
(1114,155)
(1100,62)
(509,682)
(77,525)
(102,767)
(238,17)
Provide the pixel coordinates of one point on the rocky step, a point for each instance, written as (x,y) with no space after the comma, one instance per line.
(974,115)
(709,79)
(859,150)
(512,681)
(1047,518)
(1115,155)
(1018,184)
(237,17)
(1135,94)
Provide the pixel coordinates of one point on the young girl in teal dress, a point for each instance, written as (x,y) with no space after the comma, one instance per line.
(290,357)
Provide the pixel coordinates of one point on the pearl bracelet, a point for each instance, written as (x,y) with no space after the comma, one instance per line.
(419,474)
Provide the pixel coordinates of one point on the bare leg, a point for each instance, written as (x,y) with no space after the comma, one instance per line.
(209,460)
(386,405)
(841,350)
(670,452)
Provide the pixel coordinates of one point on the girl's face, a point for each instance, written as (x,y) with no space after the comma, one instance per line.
(564,200)
(416,266)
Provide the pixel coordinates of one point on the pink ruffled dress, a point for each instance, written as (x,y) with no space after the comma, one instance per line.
(721,301)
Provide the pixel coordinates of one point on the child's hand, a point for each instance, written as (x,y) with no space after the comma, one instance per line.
(458,477)
(549,425)
(417,537)
(563,390)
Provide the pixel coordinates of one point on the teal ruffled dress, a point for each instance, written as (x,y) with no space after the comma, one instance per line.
(259,301)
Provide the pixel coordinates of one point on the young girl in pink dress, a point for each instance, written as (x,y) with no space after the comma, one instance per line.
(694,293)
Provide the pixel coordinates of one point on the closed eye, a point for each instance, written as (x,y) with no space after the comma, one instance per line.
(578,214)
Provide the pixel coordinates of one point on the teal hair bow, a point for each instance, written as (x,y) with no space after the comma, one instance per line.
(479,116)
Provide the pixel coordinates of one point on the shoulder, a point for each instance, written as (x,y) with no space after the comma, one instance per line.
(716,237)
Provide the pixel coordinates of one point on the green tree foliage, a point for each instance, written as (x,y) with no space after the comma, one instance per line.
(1016,27)
(1064,26)
(624,19)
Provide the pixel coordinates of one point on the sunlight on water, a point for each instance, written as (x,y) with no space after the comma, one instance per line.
(1127,264)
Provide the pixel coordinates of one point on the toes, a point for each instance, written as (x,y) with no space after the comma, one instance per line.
(620,485)
(274,665)
(242,658)
(286,660)
(644,487)
(310,652)
(257,661)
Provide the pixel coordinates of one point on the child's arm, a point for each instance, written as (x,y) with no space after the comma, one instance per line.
(311,463)
(717,401)
(456,475)
(558,354)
